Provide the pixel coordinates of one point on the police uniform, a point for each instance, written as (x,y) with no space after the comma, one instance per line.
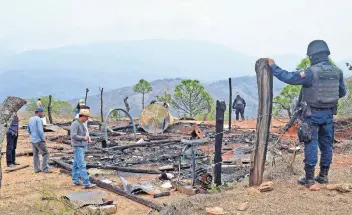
(322,86)
(239,104)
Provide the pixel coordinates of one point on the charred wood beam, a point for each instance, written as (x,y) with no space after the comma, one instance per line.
(220,110)
(113,188)
(49,110)
(101,106)
(70,122)
(8,110)
(126,104)
(230,103)
(85,99)
(124,169)
(149,144)
(265,99)
(15,169)
(19,154)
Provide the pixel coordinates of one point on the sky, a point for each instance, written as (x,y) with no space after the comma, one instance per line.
(254,27)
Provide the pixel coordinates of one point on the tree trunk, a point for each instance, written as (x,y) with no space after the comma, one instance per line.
(265,99)
(142,101)
(220,110)
(49,110)
(230,103)
(8,110)
(85,99)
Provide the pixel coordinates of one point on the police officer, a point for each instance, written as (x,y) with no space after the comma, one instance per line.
(322,86)
(239,104)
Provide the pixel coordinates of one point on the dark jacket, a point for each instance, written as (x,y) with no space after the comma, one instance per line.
(239,103)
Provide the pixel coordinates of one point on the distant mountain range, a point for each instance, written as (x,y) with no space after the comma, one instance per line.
(65,72)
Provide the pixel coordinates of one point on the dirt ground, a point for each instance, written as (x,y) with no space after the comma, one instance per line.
(22,191)
(287,198)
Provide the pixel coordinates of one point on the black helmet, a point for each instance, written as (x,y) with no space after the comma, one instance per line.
(317,46)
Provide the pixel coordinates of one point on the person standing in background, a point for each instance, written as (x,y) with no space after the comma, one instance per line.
(36,131)
(39,103)
(12,135)
(239,105)
(80,104)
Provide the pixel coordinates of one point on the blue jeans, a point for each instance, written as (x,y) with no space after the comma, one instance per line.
(323,137)
(79,166)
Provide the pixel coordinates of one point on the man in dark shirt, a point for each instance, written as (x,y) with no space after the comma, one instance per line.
(12,135)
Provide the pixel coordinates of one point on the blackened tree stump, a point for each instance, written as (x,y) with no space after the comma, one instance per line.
(265,102)
(8,110)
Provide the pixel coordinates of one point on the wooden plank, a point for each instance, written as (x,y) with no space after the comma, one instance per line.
(265,101)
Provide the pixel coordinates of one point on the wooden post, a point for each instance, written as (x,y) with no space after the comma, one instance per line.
(126,104)
(220,110)
(49,110)
(230,103)
(85,99)
(101,105)
(265,99)
(8,110)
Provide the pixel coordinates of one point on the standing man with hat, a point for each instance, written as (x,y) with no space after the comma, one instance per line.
(322,87)
(79,142)
(36,131)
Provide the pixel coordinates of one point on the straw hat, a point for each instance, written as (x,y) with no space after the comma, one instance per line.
(85,112)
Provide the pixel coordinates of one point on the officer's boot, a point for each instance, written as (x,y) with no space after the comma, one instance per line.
(308,180)
(322,178)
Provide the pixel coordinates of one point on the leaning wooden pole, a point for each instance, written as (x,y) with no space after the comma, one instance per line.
(230,103)
(8,110)
(265,101)
(85,99)
(220,110)
(101,105)
(49,110)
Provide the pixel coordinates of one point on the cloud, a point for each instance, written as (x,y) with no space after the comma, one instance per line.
(254,27)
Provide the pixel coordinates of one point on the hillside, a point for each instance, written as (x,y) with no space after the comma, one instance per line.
(65,72)
(219,90)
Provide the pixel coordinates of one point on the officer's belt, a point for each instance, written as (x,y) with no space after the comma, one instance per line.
(320,109)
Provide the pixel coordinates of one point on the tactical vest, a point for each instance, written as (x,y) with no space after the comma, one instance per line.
(239,102)
(324,92)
